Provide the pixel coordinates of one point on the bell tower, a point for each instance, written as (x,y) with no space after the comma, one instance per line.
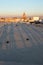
(24,16)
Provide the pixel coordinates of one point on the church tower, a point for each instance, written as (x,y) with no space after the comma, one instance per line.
(24,16)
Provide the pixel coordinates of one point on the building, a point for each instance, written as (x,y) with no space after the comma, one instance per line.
(36,18)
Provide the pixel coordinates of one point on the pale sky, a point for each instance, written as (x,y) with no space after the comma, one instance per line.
(17,7)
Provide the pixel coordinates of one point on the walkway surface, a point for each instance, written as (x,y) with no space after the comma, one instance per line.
(21,44)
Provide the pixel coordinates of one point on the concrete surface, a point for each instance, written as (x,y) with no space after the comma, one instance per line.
(18,50)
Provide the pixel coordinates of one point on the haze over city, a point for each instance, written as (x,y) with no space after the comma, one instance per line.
(17,7)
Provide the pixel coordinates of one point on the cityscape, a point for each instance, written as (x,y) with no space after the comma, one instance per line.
(21,32)
(22,18)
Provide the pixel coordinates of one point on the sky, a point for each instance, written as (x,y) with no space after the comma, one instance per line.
(18,7)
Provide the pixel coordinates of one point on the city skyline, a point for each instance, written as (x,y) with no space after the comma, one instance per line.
(17,7)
